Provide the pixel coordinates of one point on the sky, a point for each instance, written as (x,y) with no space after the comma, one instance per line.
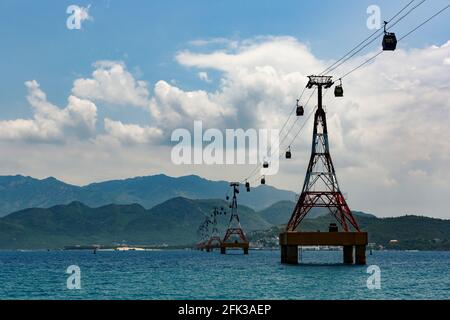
(100,102)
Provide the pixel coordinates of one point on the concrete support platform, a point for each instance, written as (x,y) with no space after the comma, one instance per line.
(242,245)
(290,241)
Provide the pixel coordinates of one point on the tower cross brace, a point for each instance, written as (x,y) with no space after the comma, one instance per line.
(321,188)
(234,227)
(215,239)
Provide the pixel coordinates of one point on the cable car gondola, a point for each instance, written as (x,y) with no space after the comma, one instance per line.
(300,111)
(338,90)
(288,153)
(389,40)
(265,165)
(263,180)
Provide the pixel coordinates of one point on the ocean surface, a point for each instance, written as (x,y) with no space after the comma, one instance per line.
(186,274)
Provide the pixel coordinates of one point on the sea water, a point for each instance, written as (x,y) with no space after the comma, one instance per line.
(188,274)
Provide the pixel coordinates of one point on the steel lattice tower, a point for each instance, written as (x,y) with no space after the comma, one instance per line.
(203,232)
(234,232)
(321,188)
(215,239)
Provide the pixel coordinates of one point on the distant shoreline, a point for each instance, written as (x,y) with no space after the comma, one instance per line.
(192,249)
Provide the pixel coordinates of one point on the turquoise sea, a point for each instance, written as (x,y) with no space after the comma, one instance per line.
(186,274)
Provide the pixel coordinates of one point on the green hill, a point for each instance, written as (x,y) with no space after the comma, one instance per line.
(411,232)
(173,222)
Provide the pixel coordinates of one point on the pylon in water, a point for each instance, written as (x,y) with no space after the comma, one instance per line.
(234,233)
(321,188)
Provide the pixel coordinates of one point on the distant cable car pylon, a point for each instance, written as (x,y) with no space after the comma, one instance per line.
(214,240)
(234,235)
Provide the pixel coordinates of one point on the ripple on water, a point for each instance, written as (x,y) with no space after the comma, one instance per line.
(200,275)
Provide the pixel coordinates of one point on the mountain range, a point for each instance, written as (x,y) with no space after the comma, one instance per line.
(175,222)
(20,192)
(158,209)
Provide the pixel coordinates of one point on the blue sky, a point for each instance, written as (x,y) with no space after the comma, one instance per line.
(146,35)
(94,104)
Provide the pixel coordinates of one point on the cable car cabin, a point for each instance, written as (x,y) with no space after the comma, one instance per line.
(338,91)
(288,153)
(389,41)
(247,185)
(265,165)
(300,111)
(263,181)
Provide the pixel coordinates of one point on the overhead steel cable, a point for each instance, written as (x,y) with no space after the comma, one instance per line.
(270,148)
(377,37)
(420,25)
(366,39)
(345,58)
(298,132)
(252,174)
(403,37)
(292,112)
(284,125)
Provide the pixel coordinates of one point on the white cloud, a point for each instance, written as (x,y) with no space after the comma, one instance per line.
(388,133)
(214,41)
(283,53)
(172,107)
(131,133)
(386,130)
(50,123)
(260,80)
(112,83)
(204,76)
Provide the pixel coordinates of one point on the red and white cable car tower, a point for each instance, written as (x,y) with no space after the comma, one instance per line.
(234,236)
(321,190)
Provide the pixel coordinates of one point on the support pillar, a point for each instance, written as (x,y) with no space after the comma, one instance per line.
(348,254)
(283,253)
(360,254)
(291,256)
